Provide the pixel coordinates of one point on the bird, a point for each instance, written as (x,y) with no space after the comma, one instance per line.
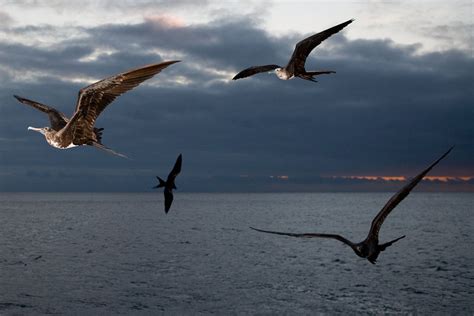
(295,66)
(79,130)
(169,184)
(370,248)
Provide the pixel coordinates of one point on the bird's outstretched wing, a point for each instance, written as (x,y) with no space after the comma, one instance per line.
(57,119)
(398,197)
(93,99)
(176,169)
(307,235)
(254,70)
(304,47)
(168,199)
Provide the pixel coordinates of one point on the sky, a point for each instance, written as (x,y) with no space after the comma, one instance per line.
(402,95)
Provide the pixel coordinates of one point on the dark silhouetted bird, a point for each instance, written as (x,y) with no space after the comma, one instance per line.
(169,184)
(295,67)
(92,100)
(370,247)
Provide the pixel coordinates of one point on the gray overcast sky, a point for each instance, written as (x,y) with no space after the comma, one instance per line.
(403,94)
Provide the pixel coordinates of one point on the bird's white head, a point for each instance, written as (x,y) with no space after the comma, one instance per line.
(282,74)
(39,130)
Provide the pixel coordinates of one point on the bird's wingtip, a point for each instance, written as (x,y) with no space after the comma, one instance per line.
(448,151)
(165,63)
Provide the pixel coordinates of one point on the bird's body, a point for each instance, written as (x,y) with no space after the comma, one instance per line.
(296,64)
(370,247)
(79,130)
(169,184)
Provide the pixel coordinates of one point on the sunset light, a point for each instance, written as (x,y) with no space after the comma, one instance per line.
(403,178)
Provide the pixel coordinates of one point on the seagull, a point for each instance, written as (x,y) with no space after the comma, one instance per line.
(295,67)
(370,247)
(92,100)
(169,183)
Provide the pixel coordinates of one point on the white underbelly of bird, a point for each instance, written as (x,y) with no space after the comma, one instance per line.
(58,145)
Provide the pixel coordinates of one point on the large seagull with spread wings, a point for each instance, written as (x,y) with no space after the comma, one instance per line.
(370,248)
(295,67)
(79,129)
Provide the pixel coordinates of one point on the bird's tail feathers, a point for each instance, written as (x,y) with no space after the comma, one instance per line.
(161,184)
(309,75)
(387,244)
(107,149)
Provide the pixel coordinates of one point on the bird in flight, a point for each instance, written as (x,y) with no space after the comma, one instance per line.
(169,183)
(295,67)
(92,100)
(370,248)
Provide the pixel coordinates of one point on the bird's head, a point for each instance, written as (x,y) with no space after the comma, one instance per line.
(282,74)
(362,250)
(42,130)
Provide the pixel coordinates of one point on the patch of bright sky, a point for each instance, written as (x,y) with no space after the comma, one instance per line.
(437,25)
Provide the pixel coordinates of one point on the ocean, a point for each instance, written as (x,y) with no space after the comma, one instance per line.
(101,253)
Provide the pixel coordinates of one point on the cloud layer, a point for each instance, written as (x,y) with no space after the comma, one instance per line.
(387,110)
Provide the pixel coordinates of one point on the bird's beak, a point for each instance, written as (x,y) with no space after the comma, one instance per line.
(35,129)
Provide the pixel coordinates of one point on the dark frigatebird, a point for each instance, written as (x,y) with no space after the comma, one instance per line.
(295,67)
(92,100)
(370,247)
(169,183)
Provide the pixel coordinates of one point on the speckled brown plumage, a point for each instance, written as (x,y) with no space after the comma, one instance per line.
(92,100)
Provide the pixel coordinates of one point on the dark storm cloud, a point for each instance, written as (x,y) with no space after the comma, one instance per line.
(221,43)
(387,111)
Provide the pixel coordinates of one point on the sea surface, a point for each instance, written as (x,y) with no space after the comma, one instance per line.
(95,253)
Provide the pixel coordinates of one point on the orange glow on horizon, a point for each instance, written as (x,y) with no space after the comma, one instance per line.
(400,178)
(448,178)
(280,177)
(403,178)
